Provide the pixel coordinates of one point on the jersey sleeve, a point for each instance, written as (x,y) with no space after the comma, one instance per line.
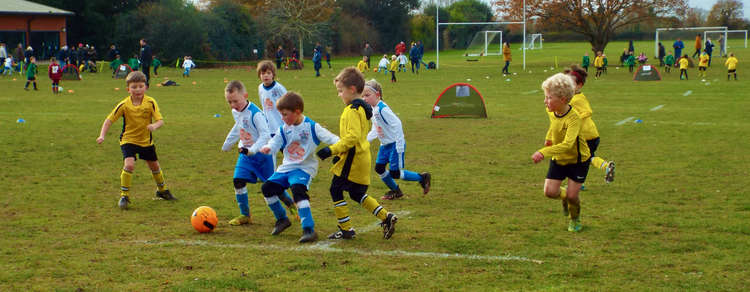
(571,137)
(275,142)
(352,133)
(325,136)
(395,124)
(264,134)
(548,137)
(373,131)
(232,137)
(117,112)
(156,115)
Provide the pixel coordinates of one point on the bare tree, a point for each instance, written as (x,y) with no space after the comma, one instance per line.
(597,20)
(299,19)
(727,13)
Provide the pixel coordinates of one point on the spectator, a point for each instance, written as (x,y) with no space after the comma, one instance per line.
(146,58)
(709,49)
(367,52)
(279,57)
(661,55)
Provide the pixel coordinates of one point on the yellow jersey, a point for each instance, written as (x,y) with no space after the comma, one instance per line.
(353,148)
(684,63)
(568,147)
(599,61)
(731,63)
(362,66)
(581,105)
(393,66)
(703,61)
(135,118)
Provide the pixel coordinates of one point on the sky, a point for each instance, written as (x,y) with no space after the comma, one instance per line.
(707,4)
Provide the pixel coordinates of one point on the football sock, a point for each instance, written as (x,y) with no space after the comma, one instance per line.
(159,179)
(563,193)
(125,178)
(374,207)
(287,199)
(305,215)
(241,196)
(275,205)
(575,209)
(27,85)
(410,175)
(599,163)
(342,214)
(389,181)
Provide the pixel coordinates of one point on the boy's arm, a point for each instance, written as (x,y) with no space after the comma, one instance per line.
(156,115)
(373,132)
(155,125)
(571,136)
(548,137)
(274,144)
(325,136)
(105,127)
(264,134)
(232,137)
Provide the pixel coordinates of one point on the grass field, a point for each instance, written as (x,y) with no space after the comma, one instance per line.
(675,218)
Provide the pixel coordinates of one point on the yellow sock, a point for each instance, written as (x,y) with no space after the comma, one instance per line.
(563,192)
(342,214)
(599,163)
(575,209)
(125,178)
(159,179)
(374,207)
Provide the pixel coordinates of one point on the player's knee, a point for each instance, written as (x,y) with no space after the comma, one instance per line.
(396,174)
(129,166)
(357,197)
(552,192)
(271,189)
(239,183)
(380,168)
(299,191)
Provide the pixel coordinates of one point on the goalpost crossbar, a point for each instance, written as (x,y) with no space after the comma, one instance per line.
(725,35)
(437,34)
(704,28)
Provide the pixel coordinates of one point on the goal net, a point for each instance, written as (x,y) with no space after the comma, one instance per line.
(534,41)
(730,38)
(668,37)
(485,43)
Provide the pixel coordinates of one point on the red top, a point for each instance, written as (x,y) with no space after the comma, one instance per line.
(54,71)
(400,48)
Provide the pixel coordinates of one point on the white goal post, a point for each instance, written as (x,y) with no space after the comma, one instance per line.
(535,37)
(726,32)
(704,28)
(487,42)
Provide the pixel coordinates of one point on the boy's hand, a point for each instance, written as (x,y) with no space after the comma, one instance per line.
(537,156)
(547,143)
(99,140)
(324,153)
(244,150)
(265,150)
(151,127)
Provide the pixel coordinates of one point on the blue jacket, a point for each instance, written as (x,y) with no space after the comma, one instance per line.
(709,47)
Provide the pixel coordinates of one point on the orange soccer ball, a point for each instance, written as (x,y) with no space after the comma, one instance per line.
(204,219)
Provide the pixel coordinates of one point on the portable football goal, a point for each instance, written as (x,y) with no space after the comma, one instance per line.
(726,35)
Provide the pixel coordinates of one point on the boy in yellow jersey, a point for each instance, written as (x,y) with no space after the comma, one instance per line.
(568,151)
(683,66)
(393,67)
(589,132)
(703,65)
(731,64)
(599,64)
(141,117)
(351,169)
(362,65)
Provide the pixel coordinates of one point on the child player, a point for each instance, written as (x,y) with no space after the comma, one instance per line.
(568,151)
(143,118)
(362,65)
(586,62)
(383,65)
(668,62)
(156,64)
(402,62)
(386,126)
(31,71)
(269,92)
(598,63)
(351,171)
(731,64)
(298,138)
(251,130)
(684,66)
(589,132)
(187,65)
(393,67)
(702,65)
(55,74)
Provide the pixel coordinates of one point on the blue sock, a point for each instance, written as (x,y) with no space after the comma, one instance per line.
(287,196)
(305,215)
(410,175)
(275,205)
(389,181)
(242,202)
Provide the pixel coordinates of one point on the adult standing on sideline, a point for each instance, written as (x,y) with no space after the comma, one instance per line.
(414,58)
(279,57)
(697,46)
(678,45)
(662,53)
(722,49)
(631,48)
(506,57)
(709,49)
(420,49)
(367,52)
(146,59)
(113,52)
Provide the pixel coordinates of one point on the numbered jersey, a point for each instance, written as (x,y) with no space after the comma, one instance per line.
(55,71)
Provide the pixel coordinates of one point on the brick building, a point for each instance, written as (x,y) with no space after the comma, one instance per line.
(31,24)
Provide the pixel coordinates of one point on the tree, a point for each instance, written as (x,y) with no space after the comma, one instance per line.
(597,20)
(694,17)
(389,17)
(232,34)
(727,13)
(466,11)
(300,19)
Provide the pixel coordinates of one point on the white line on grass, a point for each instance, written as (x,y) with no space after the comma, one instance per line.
(656,108)
(628,119)
(353,250)
(371,227)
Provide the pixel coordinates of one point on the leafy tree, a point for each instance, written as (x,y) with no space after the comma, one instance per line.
(231,31)
(727,13)
(389,17)
(597,20)
(466,11)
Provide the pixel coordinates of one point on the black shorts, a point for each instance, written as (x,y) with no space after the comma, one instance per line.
(576,172)
(593,144)
(701,68)
(340,184)
(732,71)
(31,78)
(146,153)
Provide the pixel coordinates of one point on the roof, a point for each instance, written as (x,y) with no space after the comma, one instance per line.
(28,7)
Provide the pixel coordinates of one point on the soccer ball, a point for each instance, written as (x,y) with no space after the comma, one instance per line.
(204,219)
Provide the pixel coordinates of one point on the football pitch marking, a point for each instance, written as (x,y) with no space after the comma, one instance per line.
(656,108)
(402,253)
(628,119)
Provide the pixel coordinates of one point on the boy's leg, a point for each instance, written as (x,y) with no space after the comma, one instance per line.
(397,171)
(162,191)
(340,207)
(358,193)
(272,189)
(299,181)
(264,170)
(242,175)
(574,205)
(35,88)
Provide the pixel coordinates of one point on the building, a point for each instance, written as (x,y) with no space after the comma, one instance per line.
(31,24)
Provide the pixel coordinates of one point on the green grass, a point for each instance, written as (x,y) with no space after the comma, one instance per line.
(676,217)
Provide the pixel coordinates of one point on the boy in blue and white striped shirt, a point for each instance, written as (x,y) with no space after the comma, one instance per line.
(386,126)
